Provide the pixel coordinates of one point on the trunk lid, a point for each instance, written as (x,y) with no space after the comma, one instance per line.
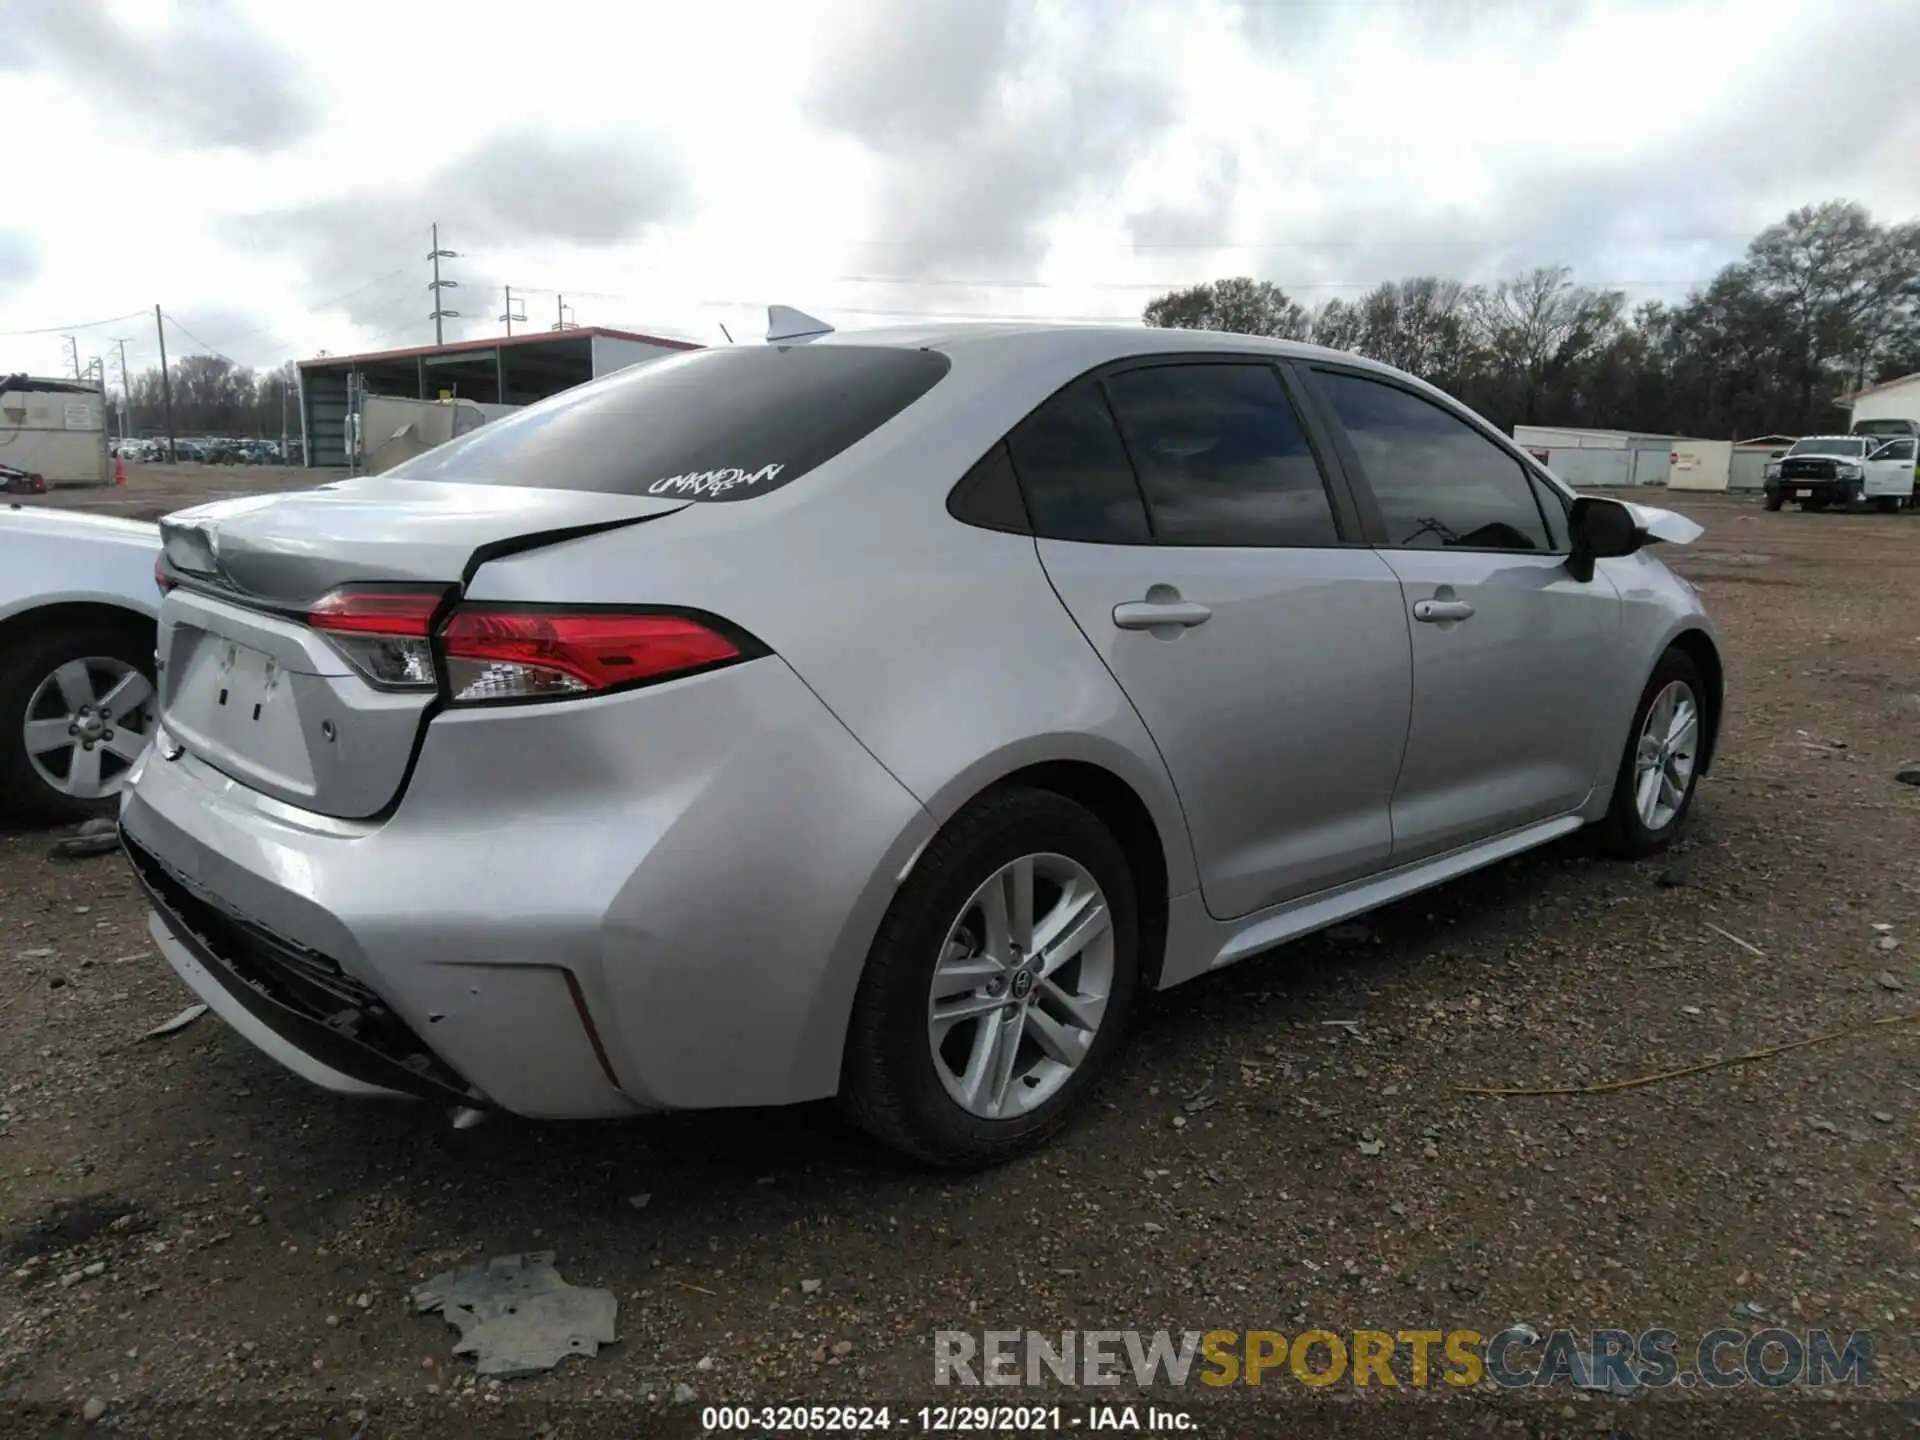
(247,686)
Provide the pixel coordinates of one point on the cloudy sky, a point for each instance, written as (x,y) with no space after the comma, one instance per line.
(268,170)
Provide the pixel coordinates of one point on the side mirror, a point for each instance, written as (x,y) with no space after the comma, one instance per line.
(1599,529)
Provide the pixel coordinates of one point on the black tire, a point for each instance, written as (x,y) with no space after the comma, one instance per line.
(25,662)
(1622,832)
(1773,500)
(889,1084)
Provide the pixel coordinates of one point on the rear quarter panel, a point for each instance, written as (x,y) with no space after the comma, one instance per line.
(940,646)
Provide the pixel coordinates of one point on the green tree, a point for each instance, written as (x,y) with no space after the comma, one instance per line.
(1240,305)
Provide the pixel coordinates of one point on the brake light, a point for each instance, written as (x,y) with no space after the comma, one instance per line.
(506,653)
(160,576)
(384,633)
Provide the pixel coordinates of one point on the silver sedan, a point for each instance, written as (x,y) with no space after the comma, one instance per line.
(875,716)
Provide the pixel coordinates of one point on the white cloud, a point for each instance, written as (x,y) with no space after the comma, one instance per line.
(677,166)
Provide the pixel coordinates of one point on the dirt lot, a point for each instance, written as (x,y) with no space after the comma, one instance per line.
(195,1237)
(152,490)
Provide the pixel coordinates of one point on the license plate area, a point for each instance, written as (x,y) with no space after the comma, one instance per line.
(236,706)
(1802,494)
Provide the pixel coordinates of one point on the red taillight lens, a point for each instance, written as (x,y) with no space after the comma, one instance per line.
(529,654)
(376,612)
(384,633)
(160,576)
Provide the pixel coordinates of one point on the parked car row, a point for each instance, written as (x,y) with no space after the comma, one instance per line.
(1003,673)
(214,450)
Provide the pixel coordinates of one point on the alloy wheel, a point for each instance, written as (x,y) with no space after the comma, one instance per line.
(1021,986)
(1664,757)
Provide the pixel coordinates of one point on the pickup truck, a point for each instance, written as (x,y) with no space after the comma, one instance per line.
(1851,471)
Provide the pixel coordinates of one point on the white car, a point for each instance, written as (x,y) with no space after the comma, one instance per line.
(77,608)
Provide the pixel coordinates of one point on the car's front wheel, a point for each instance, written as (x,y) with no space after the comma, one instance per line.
(1774,500)
(999,985)
(76,709)
(1654,787)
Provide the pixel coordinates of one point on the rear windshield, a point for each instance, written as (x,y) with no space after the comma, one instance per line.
(1885,427)
(722,424)
(1828,447)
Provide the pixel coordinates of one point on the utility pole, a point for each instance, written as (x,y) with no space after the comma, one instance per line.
(511,316)
(126,388)
(436,254)
(166,382)
(73,349)
(560,313)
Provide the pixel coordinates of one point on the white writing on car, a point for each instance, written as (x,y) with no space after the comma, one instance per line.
(713,482)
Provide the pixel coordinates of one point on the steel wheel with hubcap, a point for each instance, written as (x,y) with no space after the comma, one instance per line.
(999,984)
(76,711)
(86,724)
(1021,986)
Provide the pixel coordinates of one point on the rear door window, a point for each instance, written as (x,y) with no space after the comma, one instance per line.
(1074,471)
(1222,456)
(710,425)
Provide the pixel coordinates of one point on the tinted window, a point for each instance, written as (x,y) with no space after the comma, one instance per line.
(1222,457)
(1074,470)
(723,424)
(1558,510)
(1898,450)
(988,495)
(1439,483)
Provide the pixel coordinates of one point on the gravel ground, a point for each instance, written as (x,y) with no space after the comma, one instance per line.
(197,1240)
(152,490)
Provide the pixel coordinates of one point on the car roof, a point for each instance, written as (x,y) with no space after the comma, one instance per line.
(1081,343)
(1063,350)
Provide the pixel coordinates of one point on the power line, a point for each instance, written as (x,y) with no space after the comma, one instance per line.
(203,344)
(83,325)
(327,304)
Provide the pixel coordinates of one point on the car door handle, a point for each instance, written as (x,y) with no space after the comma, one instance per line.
(1432,611)
(1151,614)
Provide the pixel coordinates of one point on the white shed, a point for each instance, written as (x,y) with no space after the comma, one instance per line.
(54,428)
(1588,458)
(1700,465)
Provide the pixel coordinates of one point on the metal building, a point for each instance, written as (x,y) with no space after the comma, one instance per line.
(507,370)
(1751,458)
(1890,400)
(1585,458)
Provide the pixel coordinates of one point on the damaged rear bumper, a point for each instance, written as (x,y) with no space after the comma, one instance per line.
(322,1026)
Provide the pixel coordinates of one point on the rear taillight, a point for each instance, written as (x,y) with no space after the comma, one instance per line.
(384,633)
(512,652)
(523,653)
(160,576)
